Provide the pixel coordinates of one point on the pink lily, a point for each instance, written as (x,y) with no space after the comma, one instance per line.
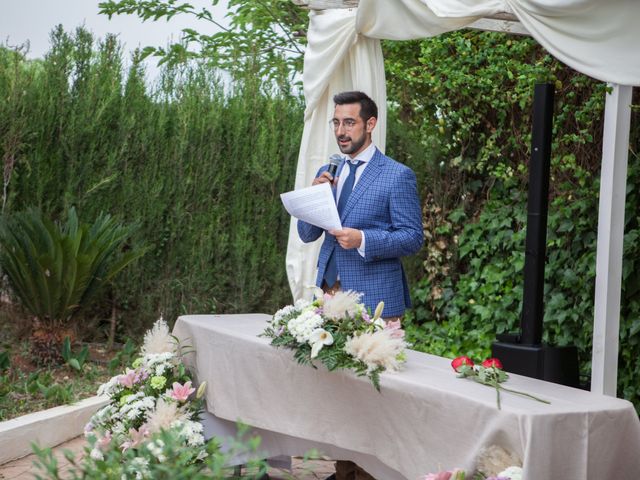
(128,379)
(454,474)
(181,392)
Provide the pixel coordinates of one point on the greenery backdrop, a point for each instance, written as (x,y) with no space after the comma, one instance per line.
(199,169)
(199,164)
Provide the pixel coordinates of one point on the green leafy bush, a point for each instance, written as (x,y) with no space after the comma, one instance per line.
(74,360)
(56,269)
(469,94)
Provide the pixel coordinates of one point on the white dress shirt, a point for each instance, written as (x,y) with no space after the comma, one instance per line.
(364,156)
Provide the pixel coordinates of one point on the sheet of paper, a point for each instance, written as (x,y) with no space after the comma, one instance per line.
(314,205)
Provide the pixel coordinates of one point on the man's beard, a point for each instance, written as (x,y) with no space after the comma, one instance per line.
(355,144)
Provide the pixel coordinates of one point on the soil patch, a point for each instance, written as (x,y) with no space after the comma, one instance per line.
(26,387)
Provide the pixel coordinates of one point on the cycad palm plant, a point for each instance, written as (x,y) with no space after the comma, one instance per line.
(54,270)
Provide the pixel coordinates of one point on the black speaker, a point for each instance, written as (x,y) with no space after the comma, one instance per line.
(524,353)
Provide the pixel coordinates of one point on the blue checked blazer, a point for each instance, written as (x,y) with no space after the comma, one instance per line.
(384,204)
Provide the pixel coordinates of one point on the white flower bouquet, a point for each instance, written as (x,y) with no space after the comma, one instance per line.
(155,395)
(338,331)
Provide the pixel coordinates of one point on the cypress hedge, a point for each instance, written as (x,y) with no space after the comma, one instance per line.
(197,164)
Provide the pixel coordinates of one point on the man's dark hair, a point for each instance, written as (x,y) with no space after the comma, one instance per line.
(368,107)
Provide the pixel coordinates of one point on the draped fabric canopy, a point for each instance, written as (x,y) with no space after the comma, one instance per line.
(595,37)
(600,39)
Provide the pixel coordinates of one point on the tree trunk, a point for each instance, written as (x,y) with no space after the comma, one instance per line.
(112,326)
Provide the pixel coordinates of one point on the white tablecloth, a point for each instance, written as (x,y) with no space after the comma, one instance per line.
(425,419)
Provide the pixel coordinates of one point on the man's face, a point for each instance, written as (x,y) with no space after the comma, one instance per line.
(351,131)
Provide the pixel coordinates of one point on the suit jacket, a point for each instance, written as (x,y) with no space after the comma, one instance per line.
(384,204)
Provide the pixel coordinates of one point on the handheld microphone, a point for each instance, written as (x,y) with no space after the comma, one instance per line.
(334,161)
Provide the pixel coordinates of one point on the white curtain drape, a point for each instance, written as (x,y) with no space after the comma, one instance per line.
(596,37)
(337,59)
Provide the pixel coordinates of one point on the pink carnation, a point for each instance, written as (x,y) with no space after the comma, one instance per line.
(136,437)
(103,443)
(395,328)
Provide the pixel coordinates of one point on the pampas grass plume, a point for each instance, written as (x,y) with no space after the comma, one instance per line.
(342,304)
(377,349)
(494,459)
(158,339)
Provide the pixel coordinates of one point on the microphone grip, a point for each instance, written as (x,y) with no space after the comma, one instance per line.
(332,169)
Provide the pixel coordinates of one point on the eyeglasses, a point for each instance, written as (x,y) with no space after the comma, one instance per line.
(347,123)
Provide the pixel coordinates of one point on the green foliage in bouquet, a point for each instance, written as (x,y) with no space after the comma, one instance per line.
(165,458)
(490,373)
(338,331)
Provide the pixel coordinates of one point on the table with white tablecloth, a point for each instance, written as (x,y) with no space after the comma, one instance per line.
(424,419)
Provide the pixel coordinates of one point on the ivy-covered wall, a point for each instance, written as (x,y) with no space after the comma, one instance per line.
(468,95)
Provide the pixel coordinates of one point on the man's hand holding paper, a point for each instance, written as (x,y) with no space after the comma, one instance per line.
(348,237)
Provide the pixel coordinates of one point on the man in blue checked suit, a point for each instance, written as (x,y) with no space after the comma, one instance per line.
(379,208)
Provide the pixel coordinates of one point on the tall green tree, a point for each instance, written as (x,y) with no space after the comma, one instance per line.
(263,37)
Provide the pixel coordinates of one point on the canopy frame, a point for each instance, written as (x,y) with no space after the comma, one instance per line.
(609,253)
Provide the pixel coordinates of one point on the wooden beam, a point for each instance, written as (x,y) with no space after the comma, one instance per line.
(613,187)
(326,4)
(505,26)
(509,17)
(500,22)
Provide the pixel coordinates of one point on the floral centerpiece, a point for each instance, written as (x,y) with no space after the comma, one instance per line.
(338,331)
(155,395)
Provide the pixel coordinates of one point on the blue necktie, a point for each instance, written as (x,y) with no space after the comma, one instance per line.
(331,270)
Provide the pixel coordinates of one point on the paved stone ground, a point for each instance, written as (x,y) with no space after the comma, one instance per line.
(24,468)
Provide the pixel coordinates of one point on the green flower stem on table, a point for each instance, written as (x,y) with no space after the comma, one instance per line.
(491,376)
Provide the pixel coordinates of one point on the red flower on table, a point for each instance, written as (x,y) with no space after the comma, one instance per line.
(490,373)
(460,361)
(492,362)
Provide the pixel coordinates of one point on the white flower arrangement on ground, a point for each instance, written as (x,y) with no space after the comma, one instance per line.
(493,463)
(338,331)
(155,395)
